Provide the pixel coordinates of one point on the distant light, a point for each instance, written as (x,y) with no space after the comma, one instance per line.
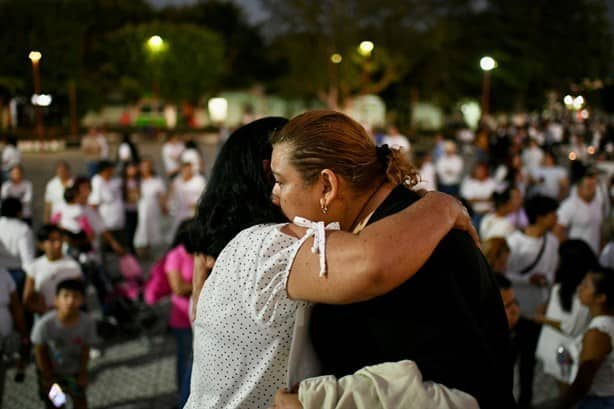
(35,56)
(336,58)
(578,102)
(365,48)
(568,100)
(572,156)
(155,43)
(41,100)
(591,150)
(218,109)
(487,63)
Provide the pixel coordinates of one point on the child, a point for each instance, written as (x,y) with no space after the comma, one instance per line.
(593,386)
(48,270)
(62,340)
(21,189)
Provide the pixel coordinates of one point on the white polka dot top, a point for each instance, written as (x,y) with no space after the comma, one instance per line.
(244,323)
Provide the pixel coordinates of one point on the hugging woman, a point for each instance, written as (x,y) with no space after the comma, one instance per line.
(245,311)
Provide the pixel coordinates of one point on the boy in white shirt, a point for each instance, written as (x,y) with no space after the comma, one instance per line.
(48,270)
(497,224)
(21,189)
(54,191)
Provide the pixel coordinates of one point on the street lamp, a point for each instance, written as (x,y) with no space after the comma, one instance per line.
(156,45)
(35,57)
(487,64)
(366,48)
(336,58)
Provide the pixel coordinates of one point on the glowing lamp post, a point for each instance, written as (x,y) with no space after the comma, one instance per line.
(487,64)
(366,48)
(35,57)
(156,45)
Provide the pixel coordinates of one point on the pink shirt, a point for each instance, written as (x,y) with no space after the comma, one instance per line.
(178,259)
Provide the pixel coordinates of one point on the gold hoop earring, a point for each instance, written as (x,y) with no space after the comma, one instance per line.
(323,206)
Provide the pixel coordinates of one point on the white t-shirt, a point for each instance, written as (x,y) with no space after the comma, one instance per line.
(523,252)
(21,191)
(244,322)
(171,156)
(54,194)
(603,383)
(583,220)
(532,158)
(397,141)
(16,243)
(107,195)
(193,157)
(473,189)
(11,156)
(428,178)
(48,274)
(606,258)
(186,195)
(549,180)
(104,146)
(449,169)
(7,286)
(495,226)
(72,217)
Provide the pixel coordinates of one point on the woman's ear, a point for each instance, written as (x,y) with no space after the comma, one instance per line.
(330,185)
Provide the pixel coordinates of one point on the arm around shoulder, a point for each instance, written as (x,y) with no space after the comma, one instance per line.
(382,257)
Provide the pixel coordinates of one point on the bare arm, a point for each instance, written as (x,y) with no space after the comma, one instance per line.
(560,232)
(32,299)
(47,212)
(381,258)
(596,346)
(17,314)
(203,264)
(178,286)
(41,354)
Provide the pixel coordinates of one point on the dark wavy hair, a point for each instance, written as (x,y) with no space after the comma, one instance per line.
(238,194)
(576,259)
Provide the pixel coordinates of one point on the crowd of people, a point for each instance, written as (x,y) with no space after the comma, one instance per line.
(317,268)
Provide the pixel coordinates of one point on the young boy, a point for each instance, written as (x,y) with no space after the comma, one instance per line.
(62,340)
(48,270)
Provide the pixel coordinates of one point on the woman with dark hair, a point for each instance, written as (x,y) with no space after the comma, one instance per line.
(131,186)
(565,313)
(151,205)
(127,151)
(245,316)
(192,155)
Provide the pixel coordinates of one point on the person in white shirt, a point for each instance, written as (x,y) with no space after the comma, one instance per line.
(549,179)
(20,189)
(152,203)
(449,170)
(428,176)
(593,386)
(16,241)
(532,156)
(534,255)
(54,191)
(48,270)
(107,199)
(171,155)
(94,149)
(395,139)
(565,316)
(192,154)
(11,155)
(477,189)
(497,224)
(185,192)
(581,215)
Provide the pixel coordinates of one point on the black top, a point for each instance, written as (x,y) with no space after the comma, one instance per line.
(448,318)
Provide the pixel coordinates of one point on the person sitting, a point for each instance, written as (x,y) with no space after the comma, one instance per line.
(21,189)
(16,241)
(62,339)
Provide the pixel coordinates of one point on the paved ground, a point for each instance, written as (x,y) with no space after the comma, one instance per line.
(131,373)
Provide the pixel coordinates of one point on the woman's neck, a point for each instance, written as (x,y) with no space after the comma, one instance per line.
(599,310)
(366,205)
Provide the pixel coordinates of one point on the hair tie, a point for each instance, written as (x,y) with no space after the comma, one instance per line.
(383,153)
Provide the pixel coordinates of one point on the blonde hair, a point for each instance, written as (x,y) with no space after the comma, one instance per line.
(325,139)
